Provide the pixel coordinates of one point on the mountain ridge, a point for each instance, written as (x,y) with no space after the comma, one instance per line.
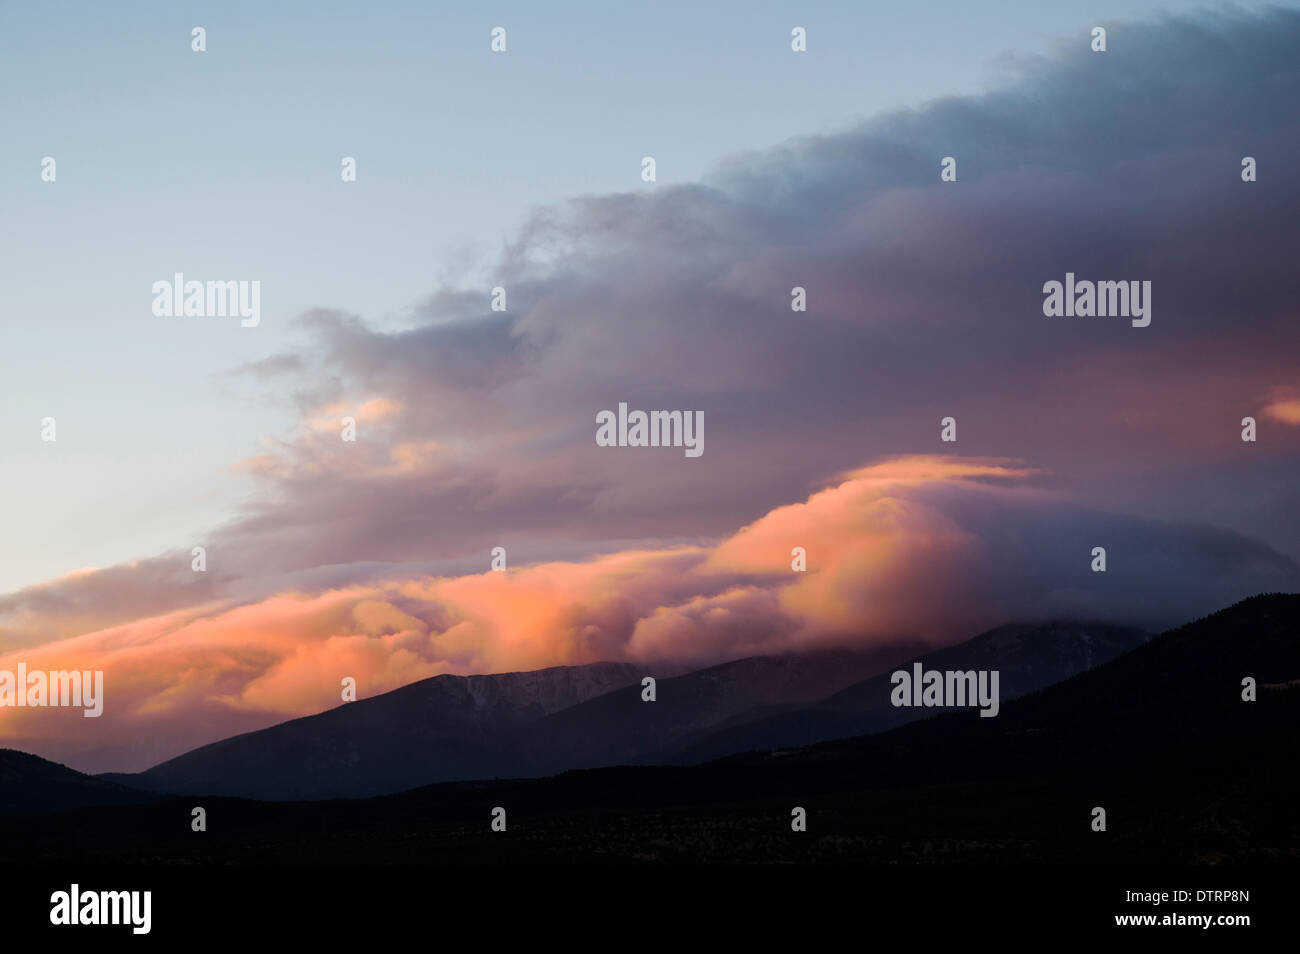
(1160,737)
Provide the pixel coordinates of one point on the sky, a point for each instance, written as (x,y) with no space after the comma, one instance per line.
(475,428)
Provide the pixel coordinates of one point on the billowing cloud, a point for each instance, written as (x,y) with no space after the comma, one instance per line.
(924,301)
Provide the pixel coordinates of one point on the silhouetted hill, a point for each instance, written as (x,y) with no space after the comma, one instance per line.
(29,783)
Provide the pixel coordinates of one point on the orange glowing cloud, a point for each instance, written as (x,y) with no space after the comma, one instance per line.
(865,542)
(1284,406)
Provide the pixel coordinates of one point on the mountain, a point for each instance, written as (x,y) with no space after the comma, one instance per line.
(463,727)
(441,728)
(1028,657)
(29,783)
(620,727)
(1160,737)
(530,724)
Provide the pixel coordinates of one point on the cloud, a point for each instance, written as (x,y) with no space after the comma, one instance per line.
(1284,406)
(924,301)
